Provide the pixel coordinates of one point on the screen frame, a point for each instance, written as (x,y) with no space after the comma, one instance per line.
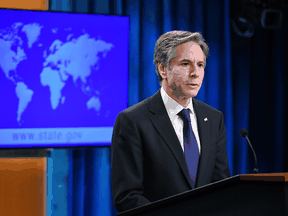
(83,145)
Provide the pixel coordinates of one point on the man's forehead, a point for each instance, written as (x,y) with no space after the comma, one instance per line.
(188,46)
(188,50)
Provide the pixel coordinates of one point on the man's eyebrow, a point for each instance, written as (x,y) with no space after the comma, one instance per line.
(188,60)
(185,60)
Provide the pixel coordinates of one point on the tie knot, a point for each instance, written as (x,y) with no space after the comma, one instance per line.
(185,115)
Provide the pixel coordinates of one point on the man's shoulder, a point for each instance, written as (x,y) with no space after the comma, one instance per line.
(140,108)
(205,107)
(142,105)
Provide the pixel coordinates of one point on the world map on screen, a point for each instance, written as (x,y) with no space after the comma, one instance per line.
(63,77)
(62,60)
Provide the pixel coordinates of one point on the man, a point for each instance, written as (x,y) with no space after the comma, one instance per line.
(157,151)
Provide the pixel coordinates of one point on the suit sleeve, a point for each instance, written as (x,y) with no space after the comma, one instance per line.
(221,169)
(126,165)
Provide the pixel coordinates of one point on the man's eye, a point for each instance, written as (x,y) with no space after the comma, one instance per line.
(185,63)
(201,65)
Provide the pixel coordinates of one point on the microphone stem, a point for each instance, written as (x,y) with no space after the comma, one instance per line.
(256,168)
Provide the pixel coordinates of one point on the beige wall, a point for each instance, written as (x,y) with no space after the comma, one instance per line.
(25,4)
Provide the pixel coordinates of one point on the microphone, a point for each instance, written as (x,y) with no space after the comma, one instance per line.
(244,134)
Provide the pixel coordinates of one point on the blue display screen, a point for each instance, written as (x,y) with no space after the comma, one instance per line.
(63,77)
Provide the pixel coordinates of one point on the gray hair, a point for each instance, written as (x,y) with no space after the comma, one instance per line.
(165,49)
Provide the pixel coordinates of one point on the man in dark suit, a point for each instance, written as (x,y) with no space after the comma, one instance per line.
(150,145)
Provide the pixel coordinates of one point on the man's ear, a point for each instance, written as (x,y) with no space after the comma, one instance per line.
(162,70)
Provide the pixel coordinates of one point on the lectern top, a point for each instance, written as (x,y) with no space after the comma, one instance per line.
(265,177)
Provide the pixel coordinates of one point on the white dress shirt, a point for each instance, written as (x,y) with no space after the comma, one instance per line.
(173,108)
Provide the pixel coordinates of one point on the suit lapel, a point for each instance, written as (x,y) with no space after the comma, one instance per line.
(163,125)
(204,135)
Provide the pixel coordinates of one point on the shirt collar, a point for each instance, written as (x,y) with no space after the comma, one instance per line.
(172,106)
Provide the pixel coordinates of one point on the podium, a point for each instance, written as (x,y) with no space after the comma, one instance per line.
(250,194)
(23,182)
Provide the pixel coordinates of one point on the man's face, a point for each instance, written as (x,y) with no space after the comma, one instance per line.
(186,73)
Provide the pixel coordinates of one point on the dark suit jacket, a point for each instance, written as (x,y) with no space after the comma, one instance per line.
(148,162)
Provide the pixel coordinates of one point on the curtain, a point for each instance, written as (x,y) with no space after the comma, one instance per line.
(245,79)
(268,91)
(259,75)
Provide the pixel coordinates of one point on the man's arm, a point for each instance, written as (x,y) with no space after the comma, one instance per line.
(126,165)
(221,169)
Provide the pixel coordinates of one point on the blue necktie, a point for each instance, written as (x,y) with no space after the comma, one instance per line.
(191,150)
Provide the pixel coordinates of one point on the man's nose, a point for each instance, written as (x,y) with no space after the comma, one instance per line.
(193,71)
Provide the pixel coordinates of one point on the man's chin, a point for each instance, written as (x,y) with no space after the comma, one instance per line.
(192,93)
(185,94)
